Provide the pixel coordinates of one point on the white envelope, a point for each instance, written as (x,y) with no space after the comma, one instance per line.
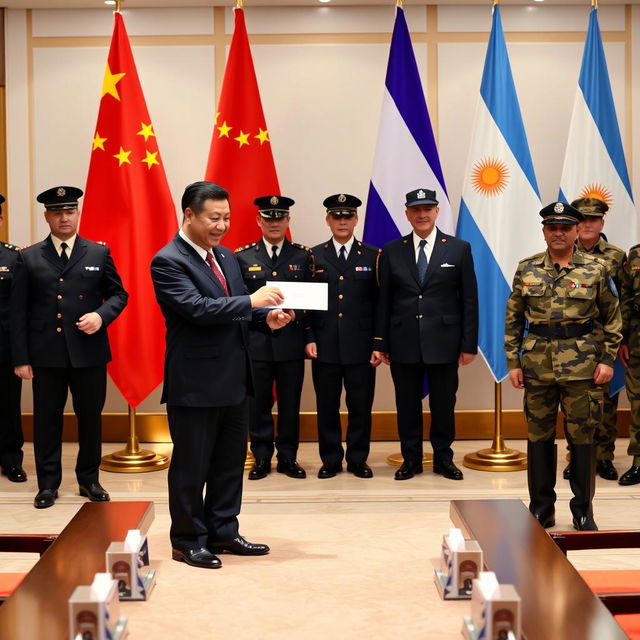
(312,296)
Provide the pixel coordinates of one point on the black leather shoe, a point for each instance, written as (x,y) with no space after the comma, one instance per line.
(239,546)
(261,469)
(329,471)
(45,498)
(291,468)
(15,473)
(585,523)
(448,470)
(566,474)
(632,476)
(360,470)
(407,471)
(546,519)
(94,492)
(197,558)
(606,470)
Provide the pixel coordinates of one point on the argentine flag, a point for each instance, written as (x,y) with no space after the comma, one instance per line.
(594,164)
(406,155)
(500,197)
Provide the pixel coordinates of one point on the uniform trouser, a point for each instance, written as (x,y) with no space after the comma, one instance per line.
(88,387)
(632,379)
(359,382)
(11,439)
(209,450)
(288,377)
(408,380)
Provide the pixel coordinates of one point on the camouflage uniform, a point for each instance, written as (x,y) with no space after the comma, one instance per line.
(560,370)
(630,306)
(606,431)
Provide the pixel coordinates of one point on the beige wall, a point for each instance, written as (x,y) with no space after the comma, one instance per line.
(321,72)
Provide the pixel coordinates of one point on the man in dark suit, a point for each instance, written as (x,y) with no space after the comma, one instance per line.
(207,310)
(427,324)
(11,439)
(340,340)
(277,358)
(66,291)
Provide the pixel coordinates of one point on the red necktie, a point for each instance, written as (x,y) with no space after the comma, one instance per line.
(217,273)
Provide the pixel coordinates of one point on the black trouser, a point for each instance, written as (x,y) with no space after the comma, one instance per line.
(209,449)
(359,383)
(11,439)
(288,377)
(88,386)
(408,380)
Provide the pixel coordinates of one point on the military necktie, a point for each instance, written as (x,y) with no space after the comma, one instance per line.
(64,258)
(343,254)
(274,254)
(217,273)
(422,261)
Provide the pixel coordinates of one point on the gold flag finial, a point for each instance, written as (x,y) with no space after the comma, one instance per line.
(398,3)
(119,5)
(239,4)
(594,4)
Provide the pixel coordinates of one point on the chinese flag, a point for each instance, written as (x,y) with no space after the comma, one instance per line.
(240,158)
(128,205)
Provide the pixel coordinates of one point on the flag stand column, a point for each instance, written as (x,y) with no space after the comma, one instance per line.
(497,457)
(249,460)
(133,459)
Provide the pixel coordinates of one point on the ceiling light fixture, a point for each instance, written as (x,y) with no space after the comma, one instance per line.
(324,1)
(111,3)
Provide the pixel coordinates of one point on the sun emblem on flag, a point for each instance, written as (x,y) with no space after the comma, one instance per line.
(599,191)
(490,176)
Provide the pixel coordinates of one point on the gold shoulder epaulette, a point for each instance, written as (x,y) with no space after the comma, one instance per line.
(13,247)
(246,246)
(101,242)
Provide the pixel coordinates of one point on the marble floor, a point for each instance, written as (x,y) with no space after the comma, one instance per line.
(350,557)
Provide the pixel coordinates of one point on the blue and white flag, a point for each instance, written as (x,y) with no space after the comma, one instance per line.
(500,197)
(594,163)
(406,154)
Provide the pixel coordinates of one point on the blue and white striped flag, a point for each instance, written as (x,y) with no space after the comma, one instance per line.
(406,154)
(500,197)
(594,163)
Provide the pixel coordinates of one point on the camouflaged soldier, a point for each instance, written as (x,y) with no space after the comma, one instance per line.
(563,295)
(630,357)
(592,241)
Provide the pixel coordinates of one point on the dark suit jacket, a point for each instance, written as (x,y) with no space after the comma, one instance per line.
(207,358)
(294,263)
(48,299)
(344,333)
(430,322)
(8,258)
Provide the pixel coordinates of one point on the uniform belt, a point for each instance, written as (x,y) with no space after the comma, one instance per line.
(561,330)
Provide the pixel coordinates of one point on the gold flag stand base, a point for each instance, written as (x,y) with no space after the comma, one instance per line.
(497,457)
(396,459)
(249,460)
(133,459)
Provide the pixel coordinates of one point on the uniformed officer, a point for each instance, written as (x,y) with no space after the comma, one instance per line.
(591,240)
(66,292)
(630,357)
(574,328)
(11,439)
(340,340)
(276,357)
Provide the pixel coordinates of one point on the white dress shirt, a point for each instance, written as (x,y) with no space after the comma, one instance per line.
(428,248)
(347,247)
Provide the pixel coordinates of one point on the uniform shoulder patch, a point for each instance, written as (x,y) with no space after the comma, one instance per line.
(301,246)
(101,242)
(246,246)
(12,247)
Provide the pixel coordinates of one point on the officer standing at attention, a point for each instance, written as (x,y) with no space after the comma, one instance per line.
(630,356)
(340,340)
(11,439)
(591,240)
(66,291)
(570,304)
(276,357)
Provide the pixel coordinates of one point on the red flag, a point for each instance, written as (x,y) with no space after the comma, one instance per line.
(240,158)
(129,206)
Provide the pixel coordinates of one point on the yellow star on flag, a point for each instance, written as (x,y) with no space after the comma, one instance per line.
(243,138)
(98,142)
(151,158)
(263,136)
(224,130)
(123,156)
(110,81)
(146,131)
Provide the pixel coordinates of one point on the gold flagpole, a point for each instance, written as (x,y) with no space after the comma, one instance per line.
(396,459)
(133,459)
(497,457)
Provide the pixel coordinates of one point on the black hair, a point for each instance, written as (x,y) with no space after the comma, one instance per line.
(197,193)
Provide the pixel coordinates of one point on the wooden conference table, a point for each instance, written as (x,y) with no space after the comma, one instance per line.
(556,602)
(38,607)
